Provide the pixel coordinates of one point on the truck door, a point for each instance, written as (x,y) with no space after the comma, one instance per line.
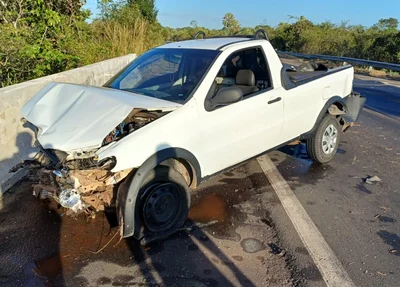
(238,131)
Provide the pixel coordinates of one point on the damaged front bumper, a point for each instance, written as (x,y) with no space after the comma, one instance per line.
(81,185)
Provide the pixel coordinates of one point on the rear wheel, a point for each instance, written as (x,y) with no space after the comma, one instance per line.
(323,144)
(163,203)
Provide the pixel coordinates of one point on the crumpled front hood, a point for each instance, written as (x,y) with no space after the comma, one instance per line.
(76,117)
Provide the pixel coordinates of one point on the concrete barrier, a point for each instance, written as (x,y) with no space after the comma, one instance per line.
(16,142)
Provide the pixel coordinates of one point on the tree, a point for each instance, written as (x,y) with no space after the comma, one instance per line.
(193,24)
(147,9)
(387,24)
(230,23)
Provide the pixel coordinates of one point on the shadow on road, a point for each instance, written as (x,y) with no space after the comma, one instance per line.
(29,233)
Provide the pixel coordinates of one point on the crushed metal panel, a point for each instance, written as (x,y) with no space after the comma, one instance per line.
(73,117)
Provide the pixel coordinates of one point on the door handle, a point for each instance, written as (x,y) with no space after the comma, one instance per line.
(274,100)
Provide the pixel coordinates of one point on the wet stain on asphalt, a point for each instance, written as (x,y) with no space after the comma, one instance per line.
(49,267)
(311,273)
(275,249)
(104,281)
(237,258)
(229,202)
(252,245)
(391,239)
(210,207)
(301,250)
(298,169)
(216,206)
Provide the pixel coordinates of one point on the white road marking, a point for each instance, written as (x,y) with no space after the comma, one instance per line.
(331,269)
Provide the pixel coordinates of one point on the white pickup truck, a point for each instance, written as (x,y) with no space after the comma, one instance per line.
(175,116)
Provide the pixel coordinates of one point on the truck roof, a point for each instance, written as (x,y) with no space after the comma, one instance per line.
(206,44)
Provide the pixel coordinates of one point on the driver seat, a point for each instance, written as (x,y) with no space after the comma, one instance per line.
(245,80)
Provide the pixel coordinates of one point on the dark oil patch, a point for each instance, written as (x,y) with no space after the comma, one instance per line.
(266,221)
(274,159)
(298,169)
(275,249)
(218,204)
(311,273)
(310,202)
(301,250)
(49,267)
(237,258)
(103,281)
(123,279)
(211,207)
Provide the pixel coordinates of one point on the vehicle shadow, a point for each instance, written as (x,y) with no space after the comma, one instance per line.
(186,258)
(29,233)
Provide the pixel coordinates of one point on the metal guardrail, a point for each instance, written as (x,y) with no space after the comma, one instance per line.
(354,61)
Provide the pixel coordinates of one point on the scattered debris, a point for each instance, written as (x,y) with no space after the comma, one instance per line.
(372,180)
(385,219)
(386,209)
(78,190)
(393,251)
(275,249)
(70,198)
(380,273)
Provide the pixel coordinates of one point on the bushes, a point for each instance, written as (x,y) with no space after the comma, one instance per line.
(39,38)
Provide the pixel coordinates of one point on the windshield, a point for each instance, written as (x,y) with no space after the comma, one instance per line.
(168,74)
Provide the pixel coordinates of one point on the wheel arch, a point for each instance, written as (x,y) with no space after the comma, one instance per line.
(128,191)
(337,101)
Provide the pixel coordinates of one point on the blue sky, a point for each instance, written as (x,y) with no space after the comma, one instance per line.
(209,13)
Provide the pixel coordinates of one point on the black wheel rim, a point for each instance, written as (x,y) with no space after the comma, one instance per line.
(161,206)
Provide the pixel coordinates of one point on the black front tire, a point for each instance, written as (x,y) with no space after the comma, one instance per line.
(315,144)
(163,203)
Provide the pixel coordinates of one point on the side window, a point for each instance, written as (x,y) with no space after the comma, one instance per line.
(246,69)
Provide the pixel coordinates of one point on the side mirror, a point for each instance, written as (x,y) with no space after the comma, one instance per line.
(226,96)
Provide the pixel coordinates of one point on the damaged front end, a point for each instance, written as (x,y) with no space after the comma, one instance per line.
(77,180)
(80,185)
(72,124)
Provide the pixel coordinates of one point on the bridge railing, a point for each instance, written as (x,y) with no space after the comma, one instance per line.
(353,61)
(16,141)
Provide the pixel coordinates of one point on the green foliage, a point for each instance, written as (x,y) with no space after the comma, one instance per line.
(42,37)
(231,25)
(147,9)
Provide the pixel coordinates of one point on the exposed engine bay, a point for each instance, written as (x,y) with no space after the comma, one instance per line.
(77,180)
(137,119)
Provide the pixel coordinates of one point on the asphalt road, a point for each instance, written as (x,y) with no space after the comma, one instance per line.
(382,95)
(241,234)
